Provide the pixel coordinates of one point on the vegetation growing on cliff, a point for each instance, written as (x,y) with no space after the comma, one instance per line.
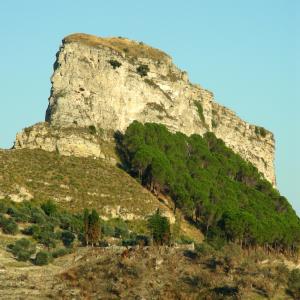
(225,195)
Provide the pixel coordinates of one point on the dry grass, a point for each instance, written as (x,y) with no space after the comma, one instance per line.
(166,273)
(74,182)
(121,45)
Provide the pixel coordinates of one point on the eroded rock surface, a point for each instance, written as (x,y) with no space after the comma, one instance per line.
(108,83)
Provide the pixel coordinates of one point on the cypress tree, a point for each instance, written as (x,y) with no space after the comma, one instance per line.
(94,232)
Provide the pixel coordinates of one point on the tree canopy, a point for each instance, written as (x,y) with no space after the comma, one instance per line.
(222,192)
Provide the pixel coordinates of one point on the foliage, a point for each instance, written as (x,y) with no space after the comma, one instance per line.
(61,252)
(67,238)
(143,70)
(42,258)
(114,63)
(92,230)
(225,195)
(160,228)
(92,129)
(49,208)
(294,284)
(200,110)
(261,131)
(9,226)
(22,249)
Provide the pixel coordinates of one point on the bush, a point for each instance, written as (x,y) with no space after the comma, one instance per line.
(3,207)
(143,70)
(46,236)
(19,214)
(49,208)
(183,239)
(129,242)
(22,249)
(33,230)
(120,228)
(260,131)
(10,227)
(61,252)
(205,249)
(67,238)
(294,284)
(107,229)
(114,63)
(42,258)
(92,129)
(160,228)
(143,240)
(37,216)
(103,244)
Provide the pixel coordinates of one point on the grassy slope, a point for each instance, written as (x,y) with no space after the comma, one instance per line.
(73,182)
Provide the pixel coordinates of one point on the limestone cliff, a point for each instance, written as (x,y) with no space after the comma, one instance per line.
(106,83)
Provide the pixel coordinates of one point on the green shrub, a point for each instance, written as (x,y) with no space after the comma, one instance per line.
(42,258)
(260,131)
(129,242)
(46,237)
(183,239)
(61,252)
(143,240)
(103,244)
(49,208)
(37,216)
(205,249)
(160,228)
(200,110)
(67,238)
(3,207)
(10,227)
(33,230)
(22,249)
(143,70)
(3,220)
(114,63)
(120,228)
(294,284)
(92,129)
(107,229)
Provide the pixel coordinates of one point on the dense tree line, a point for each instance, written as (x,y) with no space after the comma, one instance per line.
(212,185)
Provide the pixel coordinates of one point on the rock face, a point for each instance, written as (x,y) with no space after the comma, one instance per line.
(106,83)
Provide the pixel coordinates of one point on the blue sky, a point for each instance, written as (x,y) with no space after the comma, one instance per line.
(246,52)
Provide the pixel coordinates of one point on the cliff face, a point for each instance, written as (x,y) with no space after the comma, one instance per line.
(105,84)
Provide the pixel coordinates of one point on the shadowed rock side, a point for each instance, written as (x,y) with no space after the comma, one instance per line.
(106,83)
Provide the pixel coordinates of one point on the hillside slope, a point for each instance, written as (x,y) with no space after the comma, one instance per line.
(75,183)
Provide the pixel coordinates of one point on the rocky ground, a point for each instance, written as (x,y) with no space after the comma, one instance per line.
(145,273)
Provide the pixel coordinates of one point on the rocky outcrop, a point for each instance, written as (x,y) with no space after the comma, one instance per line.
(80,142)
(107,83)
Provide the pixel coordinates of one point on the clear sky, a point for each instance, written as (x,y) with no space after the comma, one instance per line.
(246,51)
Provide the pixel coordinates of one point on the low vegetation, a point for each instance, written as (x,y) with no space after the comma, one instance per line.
(200,111)
(58,231)
(143,70)
(261,131)
(115,64)
(169,273)
(73,182)
(120,45)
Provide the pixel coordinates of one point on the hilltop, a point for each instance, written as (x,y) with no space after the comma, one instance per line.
(106,83)
(139,185)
